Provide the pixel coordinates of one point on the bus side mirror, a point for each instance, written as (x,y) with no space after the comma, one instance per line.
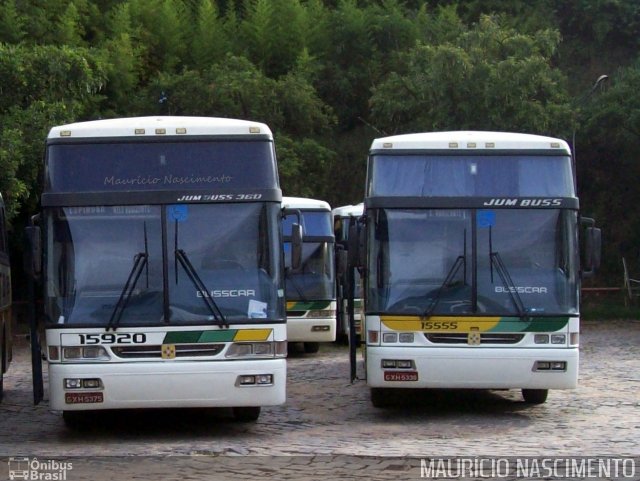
(592,247)
(296,247)
(357,251)
(341,261)
(33,260)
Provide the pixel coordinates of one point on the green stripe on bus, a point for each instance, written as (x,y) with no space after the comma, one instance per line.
(194,337)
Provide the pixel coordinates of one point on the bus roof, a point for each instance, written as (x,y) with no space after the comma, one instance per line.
(349,210)
(469,140)
(159,126)
(304,203)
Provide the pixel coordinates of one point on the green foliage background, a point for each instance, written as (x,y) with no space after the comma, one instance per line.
(329,76)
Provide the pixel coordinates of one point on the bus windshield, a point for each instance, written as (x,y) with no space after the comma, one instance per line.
(100,254)
(509,262)
(470,175)
(159,165)
(315,280)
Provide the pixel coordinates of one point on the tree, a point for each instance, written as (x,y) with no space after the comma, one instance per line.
(490,77)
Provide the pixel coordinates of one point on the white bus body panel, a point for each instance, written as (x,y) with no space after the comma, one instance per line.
(299,329)
(172,384)
(475,368)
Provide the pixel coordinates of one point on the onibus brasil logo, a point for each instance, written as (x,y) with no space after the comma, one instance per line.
(37,470)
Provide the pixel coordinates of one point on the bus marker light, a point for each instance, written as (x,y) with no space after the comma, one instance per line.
(161,131)
(254,130)
(65,133)
(54,353)
(181,131)
(319,328)
(372,336)
(139,131)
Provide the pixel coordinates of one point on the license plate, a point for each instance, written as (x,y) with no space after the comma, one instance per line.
(83,397)
(400,376)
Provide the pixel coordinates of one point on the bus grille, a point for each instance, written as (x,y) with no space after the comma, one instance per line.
(485,338)
(155,351)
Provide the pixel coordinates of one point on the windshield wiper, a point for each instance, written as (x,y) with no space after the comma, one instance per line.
(460,261)
(140,261)
(181,256)
(508,284)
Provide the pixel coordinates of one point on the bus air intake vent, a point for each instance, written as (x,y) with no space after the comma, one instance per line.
(462,338)
(155,351)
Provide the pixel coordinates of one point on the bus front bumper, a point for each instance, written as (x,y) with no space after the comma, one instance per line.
(472,368)
(168,384)
(306,329)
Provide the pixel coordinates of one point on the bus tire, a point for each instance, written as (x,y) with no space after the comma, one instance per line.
(311,347)
(245,414)
(535,396)
(380,397)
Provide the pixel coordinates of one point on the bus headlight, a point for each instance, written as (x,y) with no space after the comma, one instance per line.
(85,353)
(322,313)
(239,350)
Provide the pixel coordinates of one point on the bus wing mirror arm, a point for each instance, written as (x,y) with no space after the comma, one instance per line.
(296,247)
(592,247)
(33,259)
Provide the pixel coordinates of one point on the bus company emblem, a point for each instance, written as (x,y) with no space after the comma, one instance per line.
(168,351)
(502,202)
(473,339)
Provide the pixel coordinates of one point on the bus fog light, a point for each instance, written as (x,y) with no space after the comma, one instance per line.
(246,380)
(320,328)
(541,339)
(558,366)
(72,383)
(406,337)
(388,363)
(91,383)
(404,364)
(558,339)
(541,366)
(389,337)
(264,379)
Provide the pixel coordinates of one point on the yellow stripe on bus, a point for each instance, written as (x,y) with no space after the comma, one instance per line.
(252,335)
(440,323)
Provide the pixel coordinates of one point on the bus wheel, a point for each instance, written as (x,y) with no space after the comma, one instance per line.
(380,397)
(535,396)
(74,419)
(311,347)
(246,413)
